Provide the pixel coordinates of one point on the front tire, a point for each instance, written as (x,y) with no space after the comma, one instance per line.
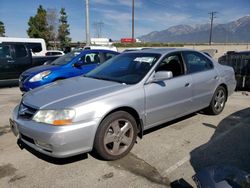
(115,136)
(218,101)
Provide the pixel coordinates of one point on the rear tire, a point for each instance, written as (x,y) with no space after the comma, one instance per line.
(218,101)
(115,136)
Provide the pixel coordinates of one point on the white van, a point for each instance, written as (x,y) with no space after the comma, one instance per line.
(36,45)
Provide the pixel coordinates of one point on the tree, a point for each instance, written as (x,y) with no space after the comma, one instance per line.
(2,29)
(63,30)
(38,26)
(52,20)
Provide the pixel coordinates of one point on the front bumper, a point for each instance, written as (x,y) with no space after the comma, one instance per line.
(55,141)
(27,86)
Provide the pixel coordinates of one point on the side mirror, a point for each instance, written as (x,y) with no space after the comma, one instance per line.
(78,64)
(162,75)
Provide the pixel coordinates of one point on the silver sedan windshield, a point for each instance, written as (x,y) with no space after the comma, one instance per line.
(128,68)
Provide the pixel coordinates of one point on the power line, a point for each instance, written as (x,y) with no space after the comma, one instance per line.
(98,28)
(212,16)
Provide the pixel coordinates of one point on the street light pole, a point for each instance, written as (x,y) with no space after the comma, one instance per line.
(133,19)
(87,23)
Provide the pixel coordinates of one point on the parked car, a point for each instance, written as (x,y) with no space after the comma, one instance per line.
(16,58)
(135,49)
(240,61)
(54,52)
(113,48)
(113,104)
(72,64)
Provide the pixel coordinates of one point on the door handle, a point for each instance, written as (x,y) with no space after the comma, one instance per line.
(216,77)
(187,84)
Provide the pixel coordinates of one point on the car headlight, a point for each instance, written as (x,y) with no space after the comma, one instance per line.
(55,117)
(40,76)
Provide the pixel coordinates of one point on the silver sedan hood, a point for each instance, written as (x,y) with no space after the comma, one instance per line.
(70,92)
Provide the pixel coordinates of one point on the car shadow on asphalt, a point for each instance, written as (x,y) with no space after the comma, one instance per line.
(169,123)
(229,145)
(52,160)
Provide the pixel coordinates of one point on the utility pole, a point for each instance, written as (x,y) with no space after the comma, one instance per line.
(212,16)
(87,23)
(133,19)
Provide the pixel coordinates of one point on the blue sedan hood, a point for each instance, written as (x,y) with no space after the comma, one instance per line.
(41,68)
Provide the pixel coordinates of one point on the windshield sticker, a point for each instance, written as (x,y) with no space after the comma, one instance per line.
(144,59)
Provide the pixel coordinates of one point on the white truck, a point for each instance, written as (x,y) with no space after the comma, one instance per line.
(36,45)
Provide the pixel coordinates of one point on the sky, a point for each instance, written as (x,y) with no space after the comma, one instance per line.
(150,15)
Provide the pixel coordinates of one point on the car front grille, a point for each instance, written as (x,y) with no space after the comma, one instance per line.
(26,112)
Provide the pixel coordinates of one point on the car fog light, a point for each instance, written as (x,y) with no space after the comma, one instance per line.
(43,145)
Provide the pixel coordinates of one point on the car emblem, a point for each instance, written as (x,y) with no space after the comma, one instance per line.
(22,110)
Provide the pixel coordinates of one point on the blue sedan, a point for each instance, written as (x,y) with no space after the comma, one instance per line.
(75,63)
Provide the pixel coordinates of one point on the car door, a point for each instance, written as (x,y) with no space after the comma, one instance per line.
(169,99)
(205,78)
(6,62)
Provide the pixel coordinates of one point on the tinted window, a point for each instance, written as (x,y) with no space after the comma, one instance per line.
(56,53)
(35,47)
(172,63)
(53,53)
(20,50)
(91,58)
(129,68)
(108,56)
(65,58)
(4,51)
(197,62)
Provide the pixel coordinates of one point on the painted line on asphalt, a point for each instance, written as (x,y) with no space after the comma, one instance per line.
(176,165)
(187,158)
(3,105)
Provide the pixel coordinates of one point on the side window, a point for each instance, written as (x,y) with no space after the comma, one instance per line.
(109,56)
(197,62)
(172,63)
(56,53)
(20,51)
(35,47)
(5,52)
(91,58)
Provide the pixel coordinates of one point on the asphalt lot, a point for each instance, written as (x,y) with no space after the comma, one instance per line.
(166,153)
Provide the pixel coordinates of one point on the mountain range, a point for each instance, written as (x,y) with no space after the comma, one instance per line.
(235,31)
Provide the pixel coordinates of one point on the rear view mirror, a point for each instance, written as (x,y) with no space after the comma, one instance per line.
(162,75)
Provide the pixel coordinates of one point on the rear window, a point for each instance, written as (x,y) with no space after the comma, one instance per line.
(53,53)
(35,47)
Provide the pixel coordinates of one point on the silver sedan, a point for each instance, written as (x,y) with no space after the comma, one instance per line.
(109,107)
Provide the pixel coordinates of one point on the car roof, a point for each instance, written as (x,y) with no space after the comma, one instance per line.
(84,51)
(98,50)
(161,51)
